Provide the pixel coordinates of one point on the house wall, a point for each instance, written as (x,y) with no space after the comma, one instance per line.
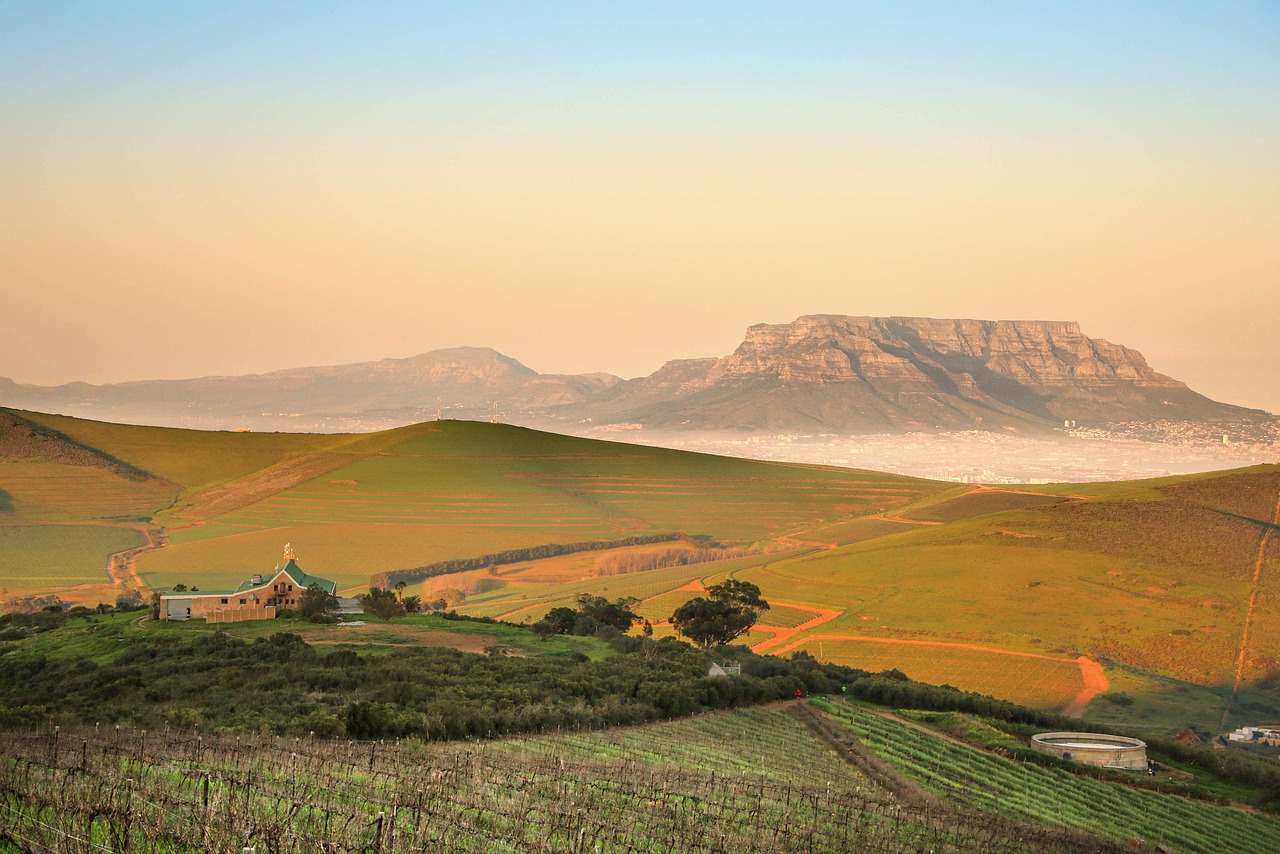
(237,614)
(256,603)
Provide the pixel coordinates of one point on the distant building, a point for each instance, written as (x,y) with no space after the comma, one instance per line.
(1256,734)
(256,599)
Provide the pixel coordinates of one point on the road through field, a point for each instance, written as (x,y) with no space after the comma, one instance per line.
(782,634)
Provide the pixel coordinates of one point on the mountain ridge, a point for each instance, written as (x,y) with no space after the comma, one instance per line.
(825,372)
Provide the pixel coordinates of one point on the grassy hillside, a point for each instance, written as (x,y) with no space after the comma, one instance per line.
(1169,584)
(221,504)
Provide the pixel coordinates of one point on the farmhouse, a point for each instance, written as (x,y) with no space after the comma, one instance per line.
(256,599)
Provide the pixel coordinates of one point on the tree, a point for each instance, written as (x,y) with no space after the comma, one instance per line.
(412,604)
(382,604)
(728,612)
(317,604)
(617,613)
(560,620)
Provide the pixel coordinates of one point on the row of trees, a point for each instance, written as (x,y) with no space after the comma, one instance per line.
(728,611)
(546,550)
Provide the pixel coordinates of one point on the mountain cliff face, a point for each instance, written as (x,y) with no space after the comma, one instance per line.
(873,374)
(821,373)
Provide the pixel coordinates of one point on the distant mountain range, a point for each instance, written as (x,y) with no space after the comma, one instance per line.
(821,373)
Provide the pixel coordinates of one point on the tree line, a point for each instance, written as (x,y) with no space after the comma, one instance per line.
(446,567)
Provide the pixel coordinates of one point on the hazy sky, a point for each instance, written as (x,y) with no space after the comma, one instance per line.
(202,188)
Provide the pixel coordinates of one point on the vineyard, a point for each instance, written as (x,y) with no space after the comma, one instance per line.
(661,788)
(1054,796)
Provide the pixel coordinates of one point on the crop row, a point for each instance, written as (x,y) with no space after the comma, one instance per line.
(1055,796)
(86,790)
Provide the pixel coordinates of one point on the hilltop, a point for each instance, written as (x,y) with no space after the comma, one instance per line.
(1151,595)
(820,373)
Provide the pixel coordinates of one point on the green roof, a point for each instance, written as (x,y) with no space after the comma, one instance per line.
(299,577)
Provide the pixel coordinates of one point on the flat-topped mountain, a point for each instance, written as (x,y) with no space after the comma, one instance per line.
(878,374)
(821,373)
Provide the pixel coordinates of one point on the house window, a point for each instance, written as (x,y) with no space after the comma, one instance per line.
(224,601)
(241,601)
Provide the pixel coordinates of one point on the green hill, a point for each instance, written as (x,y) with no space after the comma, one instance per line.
(1155,596)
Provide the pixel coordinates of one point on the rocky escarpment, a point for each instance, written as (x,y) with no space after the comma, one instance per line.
(822,373)
(872,374)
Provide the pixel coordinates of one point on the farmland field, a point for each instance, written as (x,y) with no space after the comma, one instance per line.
(979,502)
(1156,576)
(686,786)
(35,558)
(1055,796)
(1036,682)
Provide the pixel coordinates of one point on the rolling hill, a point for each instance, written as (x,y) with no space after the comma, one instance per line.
(1156,596)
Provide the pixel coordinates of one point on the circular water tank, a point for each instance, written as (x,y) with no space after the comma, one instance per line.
(1094,748)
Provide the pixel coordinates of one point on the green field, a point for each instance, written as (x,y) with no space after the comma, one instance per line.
(1055,796)
(1154,579)
(686,786)
(38,558)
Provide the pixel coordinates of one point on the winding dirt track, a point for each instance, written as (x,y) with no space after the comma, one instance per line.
(782,634)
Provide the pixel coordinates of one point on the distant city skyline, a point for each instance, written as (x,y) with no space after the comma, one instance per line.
(230,188)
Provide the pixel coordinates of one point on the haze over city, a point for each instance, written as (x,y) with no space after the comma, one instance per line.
(223,188)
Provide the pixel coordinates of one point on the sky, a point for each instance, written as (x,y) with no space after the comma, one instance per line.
(199,188)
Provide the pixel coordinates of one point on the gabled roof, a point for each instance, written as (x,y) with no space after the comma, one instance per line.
(304,581)
(300,578)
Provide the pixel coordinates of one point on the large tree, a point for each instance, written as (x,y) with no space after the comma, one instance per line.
(317,604)
(728,611)
(381,603)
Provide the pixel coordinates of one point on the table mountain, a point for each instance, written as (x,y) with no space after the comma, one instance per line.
(821,373)
(889,374)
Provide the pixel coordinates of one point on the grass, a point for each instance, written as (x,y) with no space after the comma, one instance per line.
(100,638)
(1034,682)
(1055,796)
(981,502)
(1155,576)
(37,558)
